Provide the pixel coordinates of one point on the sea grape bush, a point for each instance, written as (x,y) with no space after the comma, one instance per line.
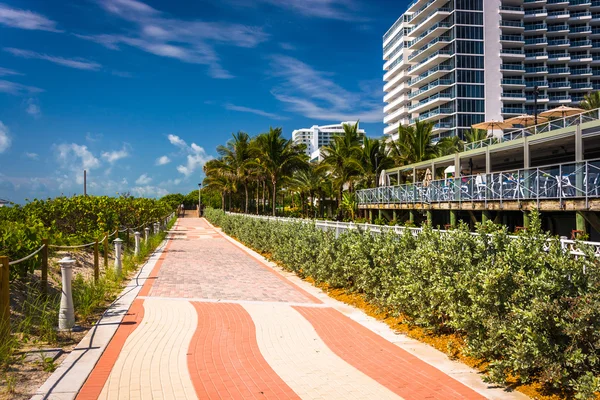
(523,304)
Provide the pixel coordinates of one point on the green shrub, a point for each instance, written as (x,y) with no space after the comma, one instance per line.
(523,304)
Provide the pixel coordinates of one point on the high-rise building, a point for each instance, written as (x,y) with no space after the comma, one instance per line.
(459,62)
(316,137)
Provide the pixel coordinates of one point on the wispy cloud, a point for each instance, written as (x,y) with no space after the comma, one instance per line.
(4,138)
(196,156)
(287,46)
(33,108)
(314,94)
(115,155)
(6,72)
(77,63)
(144,179)
(73,159)
(164,160)
(149,191)
(233,107)
(32,156)
(17,89)
(343,10)
(188,41)
(24,19)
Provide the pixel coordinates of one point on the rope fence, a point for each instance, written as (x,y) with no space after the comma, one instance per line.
(15,262)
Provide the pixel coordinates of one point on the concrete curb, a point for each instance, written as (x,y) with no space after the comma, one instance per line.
(68,379)
(460,372)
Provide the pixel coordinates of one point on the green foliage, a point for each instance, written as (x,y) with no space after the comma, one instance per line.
(522,304)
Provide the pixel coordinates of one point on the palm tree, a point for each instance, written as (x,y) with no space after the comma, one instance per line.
(217,178)
(449,145)
(591,101)
(375,158)
(414,144)
(342,158)
(279,157)
(475,135)
(310,181)
(236,156)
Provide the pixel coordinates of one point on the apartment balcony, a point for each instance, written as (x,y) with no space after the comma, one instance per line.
(512,83)
(595,59)
(512,27)
(560,15)
(537,42)
(434,31)
(433,46)
(538,3)
(396,115)
(398,102)
(580,16)
(559,57)
(434,73)
(584,86)
(580,4)
(513,111)
(595,18)
(558,29)
(512,11)
(535,28)
(581,71)
(581,43)
(536,71)
(542,98)
(560,85)
(395,58)
(433,115)
(391,129)
(581,58)
(442,127)
(580,31)
(428,20)
(559,71)
(402,88)
(540,84)
(512,40)
(512,68)
(512,54)
(535,13)
(434,59)
(419,6)
(431,89)
(537,56)
(516,97)
(395,75)
(564,99)
(558,43)
(550,4)
(431,102)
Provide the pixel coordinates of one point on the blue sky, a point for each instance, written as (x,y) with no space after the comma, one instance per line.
(141,93)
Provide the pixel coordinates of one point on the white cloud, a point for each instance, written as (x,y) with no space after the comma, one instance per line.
(149,191)
(24,19)
(4,138)
(73,159)
(17,89)
(164,160)
(196,157)
(6,72)
(116,155)
(91,137)
(33,156)
(33,109)
(262,113)
(315,95)
(287,46)
(77,63)
(144,179)
(342,10)
(189,41)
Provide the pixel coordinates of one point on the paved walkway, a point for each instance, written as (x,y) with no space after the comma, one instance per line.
(213,321)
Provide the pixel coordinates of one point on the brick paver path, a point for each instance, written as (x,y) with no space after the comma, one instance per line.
(213,322)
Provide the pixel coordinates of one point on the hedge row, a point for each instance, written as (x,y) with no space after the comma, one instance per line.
(531,310)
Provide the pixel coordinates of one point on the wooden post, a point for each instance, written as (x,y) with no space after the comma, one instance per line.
(96,262)
(4,297)
(106,250)
(44,279)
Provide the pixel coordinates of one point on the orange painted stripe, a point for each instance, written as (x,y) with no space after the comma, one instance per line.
(388,364)
(224,360)
(277,274)
(95,382)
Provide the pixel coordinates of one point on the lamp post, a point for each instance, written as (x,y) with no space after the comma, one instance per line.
(199,200)
(536,92)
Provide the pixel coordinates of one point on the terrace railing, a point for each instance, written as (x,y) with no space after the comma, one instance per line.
(567,181)
(555,124)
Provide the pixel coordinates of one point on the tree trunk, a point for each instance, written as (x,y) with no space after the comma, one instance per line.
(246,193)
(230,196)
(274,197)
(257,189)
(222,201)
(264,189)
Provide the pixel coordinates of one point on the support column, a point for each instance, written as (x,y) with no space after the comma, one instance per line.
(526,219)
(430,217)
(394,216)
(411,216)
(453,218)
(580,222)
(370,216)
(379,214)
(485,216)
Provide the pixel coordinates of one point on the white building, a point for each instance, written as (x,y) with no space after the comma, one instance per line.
(459,62)
(316,137)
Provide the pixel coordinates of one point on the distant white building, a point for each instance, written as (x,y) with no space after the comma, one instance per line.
(4,202)
(316,137)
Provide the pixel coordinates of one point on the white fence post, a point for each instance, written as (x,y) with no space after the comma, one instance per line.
(137,243)
(118,262)
(146,234)
(156,228)
(66,315)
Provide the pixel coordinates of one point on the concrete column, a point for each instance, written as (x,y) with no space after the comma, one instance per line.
(526,219)
(66,315)
(453,218)
(379,214)
(370,216)
(411,216)
(137,235)
(146,234)
(394,216)
(156,228)
(118,262)
(580,222)
(430,217)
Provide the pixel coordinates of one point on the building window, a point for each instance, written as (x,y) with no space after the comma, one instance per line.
(475,5)
(469,32)
(470,91)
(473,62)
(468,18)
(469,47)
